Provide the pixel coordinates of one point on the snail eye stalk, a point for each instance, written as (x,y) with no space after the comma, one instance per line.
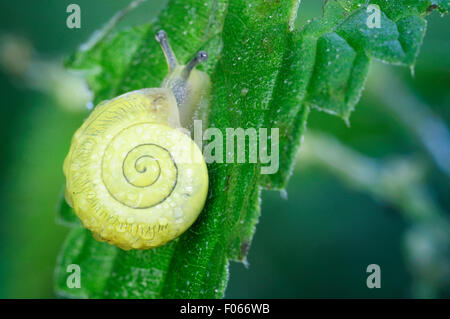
(200,57)
(172,62)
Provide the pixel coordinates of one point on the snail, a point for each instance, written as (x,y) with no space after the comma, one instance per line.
(133,176)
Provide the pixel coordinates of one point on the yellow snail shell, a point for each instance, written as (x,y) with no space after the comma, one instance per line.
(133,177)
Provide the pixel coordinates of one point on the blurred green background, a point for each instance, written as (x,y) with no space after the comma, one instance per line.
(382,196)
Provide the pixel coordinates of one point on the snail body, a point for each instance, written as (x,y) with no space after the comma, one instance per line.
(133,177)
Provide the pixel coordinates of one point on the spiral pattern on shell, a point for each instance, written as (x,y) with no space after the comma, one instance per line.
(132,179)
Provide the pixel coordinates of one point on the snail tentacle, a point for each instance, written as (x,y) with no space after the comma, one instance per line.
(172,62)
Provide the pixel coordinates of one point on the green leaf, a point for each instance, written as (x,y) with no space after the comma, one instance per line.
(95,260)
(401,8)
(442,5)
(265,74)
(345,43)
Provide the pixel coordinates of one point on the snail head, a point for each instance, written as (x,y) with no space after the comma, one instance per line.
(188,84)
